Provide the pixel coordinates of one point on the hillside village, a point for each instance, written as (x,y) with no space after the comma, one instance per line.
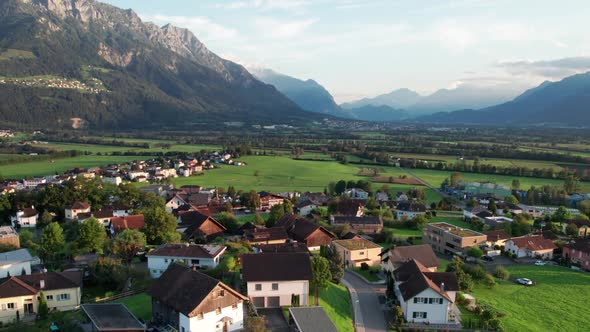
(116,247)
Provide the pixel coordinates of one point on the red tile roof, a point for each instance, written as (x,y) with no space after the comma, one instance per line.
(533,243)
(129,222)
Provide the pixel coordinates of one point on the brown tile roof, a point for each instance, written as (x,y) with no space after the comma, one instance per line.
(300,228)
(497,235)
(187,250)
(276,267)
(13,287)
(415,278)
(357,220)
(184,290)
(100,214)
(29,212)
(350,236)
(79,206)
(348,207)
(31,284)
(129,222)
(533,243)
(423,253)
(283,247)
(266,234)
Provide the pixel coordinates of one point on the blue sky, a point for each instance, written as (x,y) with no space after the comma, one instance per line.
(363,48)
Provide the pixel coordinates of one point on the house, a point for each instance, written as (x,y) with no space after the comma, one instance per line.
(426,297)
(473,212)
(272,235)
(15,263)
(539,211)
(277,279)
(72,211)
(350,207)
(367,225)
(195,224)
(409,209)
(25,218)
(311,319)
(356,193)
(191,301)
(578,252)
(19,295)
(496,238)
(104,216)
(112,317)
(193,255)
(303,230)
(33,183)
(282,247)
(268,200)
(113,179)
(306,206)
(358,251)
(248,226)
(9,236)
(530,246)
(119,224)
(582,225)
(451,239)
(396,257)
(495,222)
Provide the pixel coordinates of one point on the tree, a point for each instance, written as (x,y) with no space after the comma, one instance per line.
(340,187)
(511,200)
(276,213)
(321,274)
(335,261)
(571,184)
(515,184)
(501,273)
(475,252)
(229,221)
(91,236)
(127,243)
(46,218)
(571,230)
(52,240)
(455,178)
(109,272)
(5,207)
(256,324)
(489,281)
(420,221)
(493,207)
(160,227)
(43,309)
(258,220)
(561,215)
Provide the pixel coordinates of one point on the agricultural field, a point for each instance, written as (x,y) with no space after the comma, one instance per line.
(98,148)
(561,299)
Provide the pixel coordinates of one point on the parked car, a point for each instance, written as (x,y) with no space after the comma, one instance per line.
(488,258)
(540,263)
(524,281)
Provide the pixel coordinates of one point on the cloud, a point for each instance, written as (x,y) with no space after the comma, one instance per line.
(264,4)
(274,28)
(201,26)
(550,69)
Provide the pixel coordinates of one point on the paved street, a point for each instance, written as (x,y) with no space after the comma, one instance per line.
(369,315)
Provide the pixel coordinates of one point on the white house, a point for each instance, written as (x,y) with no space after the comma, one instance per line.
(15,263)
(26,218)
(114,180)
(530,246)
(136,174)
(409,209)
(72,211)
(34,182)
(427,297)
(193,255)
(277,279)
(191,301)
(356,193)
(305,207)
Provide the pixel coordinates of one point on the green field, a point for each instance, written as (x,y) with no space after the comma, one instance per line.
(336,302)
(99,148)
(558,302)
(140,305)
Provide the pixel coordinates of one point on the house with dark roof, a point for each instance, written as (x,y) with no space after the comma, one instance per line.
(119,224)
(304,230)
(311,319)
(367,225)
(282,247)
(195,224)
(103,216)
(72,211)
(409,209)
(25,218)
(582,225)
(427,297)
(263,235)
(20,295)
(193,255)
(496,238)
(350,207)
(396,257)
(531,246)
(578,252)
(305,207)
(277,279)
(355,252)
(189,300)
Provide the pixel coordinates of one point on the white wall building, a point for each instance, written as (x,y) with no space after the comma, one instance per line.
(25,218)
(193,255)
(15,263)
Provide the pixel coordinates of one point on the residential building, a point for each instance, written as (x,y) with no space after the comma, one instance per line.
(531,246)
(283,247)
(268,200)
(578,252)
(582,225)
(72,211)
(350,207)
(272,235)
(303,230)
(104,216)
(106,317)
(366,225)
(34,182)
(197,225)
(191,301)
(539,211)
(451,239)
(15,263)
(396,257)
(496,238)
(305,207)
(25,218)
(495,222)
(9,236)
(311,319)
(114,180)
(277,279)
(62,291)
(427,297)
(477,212)
(193,255)
(356,193)
(358,251)
(119,224)
(409,209)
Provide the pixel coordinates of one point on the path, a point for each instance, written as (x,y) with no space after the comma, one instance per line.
(369,314)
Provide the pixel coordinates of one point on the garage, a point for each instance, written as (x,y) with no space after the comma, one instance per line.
(273,302)
(258,302)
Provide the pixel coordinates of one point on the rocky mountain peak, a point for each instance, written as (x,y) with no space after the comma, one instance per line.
(81,9)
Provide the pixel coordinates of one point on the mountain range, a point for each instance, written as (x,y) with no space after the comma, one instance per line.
(86,63)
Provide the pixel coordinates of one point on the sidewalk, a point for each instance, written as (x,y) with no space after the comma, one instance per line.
(357,316)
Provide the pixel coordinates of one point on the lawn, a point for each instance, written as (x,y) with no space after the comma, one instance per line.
(140,305)
(368,274)
(336,302)
(558,302)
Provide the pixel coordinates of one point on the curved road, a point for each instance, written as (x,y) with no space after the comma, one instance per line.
(369,315)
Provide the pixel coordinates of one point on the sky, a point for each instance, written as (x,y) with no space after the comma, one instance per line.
(361,49)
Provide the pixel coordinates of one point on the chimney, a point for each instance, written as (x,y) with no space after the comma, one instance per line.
(42,284)
(442,286)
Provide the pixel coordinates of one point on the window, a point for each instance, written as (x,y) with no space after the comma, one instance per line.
(165,260)
(10,305)
(221,293)
(195,261)
(182,329)
(200,315)
(361,253)
(258,287)
(49,297)
(275,286)
(63,297)
(420,300)
(419,314)
(218,311)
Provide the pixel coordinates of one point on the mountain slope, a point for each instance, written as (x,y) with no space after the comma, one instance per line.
(82,61)
(401,98)
(381,113)
(563,103)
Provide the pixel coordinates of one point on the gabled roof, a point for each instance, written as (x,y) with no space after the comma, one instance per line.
(350,236)
(412,206)
(533,243)
(266,234)
(194,219)
(422,253)
(300,228)
(187,250)
(415,278)
(31,284)
(497,235)
(356,220)
(79,206)
(129,222)
(13,287)
(582,245)
(184,290)
(276,267)
(29,212)
(100,214)
(283,247)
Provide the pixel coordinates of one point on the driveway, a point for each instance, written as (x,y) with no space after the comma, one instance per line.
(275,321)
(368,304)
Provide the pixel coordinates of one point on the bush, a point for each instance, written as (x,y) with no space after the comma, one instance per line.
(475,252)
(477,272)
(501,273)
(489,281)
(364,266)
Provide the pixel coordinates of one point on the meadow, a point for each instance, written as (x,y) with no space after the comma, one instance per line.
(560,303)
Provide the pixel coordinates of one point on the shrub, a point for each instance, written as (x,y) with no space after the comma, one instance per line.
(489,281)
(501,273)
(475,252)
(478,272)
(364,266)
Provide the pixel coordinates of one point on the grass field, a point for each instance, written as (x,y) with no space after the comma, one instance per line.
(96,148)
(336,302)
(558,302)
(368,274)
(140,305)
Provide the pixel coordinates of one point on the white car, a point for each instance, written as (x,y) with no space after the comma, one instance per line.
(540,263)
(524,281)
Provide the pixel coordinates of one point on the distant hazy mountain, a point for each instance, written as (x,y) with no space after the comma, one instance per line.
(309,94)
(401,98)
(563,103)
(381,113)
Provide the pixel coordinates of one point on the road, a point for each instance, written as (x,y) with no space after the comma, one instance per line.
(368,310)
